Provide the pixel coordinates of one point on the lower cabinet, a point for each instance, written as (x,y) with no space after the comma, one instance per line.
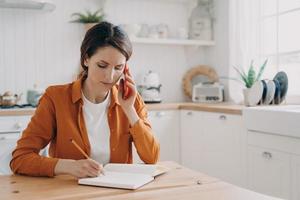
(213,143)
(274,164)
(296,177)
(10,131)
(7,144)
(269,172)
(166,128)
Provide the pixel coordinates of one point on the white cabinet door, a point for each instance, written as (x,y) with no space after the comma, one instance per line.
(295,177)
(7,145)
(192,142)
(10,131)
(211,143)
(269,171)
(223,146)
(165,125)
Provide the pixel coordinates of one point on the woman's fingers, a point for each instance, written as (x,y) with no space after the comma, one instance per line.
(129,79)
(94,164)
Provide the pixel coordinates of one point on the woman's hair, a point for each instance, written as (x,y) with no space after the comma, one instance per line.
(102,35)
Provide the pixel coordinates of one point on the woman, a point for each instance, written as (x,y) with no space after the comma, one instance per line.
(92,112)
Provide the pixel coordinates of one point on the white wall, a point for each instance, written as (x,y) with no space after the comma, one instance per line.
(39,47)
(218,55)
(43,48)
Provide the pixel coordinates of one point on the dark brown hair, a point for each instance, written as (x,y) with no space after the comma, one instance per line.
(101,35)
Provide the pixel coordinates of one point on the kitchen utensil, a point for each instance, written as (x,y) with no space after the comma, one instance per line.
(264,94)
(150,88)
(9,99)
(282,79)
(255,93)
(270,92)
(277,92)
(33,95)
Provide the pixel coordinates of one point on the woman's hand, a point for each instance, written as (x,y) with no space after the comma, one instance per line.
(78,168)
(128,104)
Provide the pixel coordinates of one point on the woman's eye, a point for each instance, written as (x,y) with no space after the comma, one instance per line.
(102,66)
(119,68)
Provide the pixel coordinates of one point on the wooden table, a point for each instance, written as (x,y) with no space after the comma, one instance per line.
(178,183)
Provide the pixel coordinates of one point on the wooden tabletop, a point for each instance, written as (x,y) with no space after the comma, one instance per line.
(178,183)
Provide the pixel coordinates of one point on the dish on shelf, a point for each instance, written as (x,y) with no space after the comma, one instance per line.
(277,92)
(264,94)
(255,93)
(282,79)
(270,92)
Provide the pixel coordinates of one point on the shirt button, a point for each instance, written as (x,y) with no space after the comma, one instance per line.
(112,130)
(113,149)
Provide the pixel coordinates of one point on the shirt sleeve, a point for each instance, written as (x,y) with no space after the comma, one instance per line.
(39,132)
(146,144)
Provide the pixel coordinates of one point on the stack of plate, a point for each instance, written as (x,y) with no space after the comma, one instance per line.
(269,91)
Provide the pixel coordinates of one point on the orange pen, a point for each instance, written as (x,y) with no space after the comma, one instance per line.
(78,147)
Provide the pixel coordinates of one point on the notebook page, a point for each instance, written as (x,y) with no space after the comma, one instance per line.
(118,180)
(130,168)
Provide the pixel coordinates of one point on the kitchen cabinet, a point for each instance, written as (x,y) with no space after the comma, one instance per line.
(10,131)
(274,164)
(213,143)
(166,128)
(295,170)
(269,171)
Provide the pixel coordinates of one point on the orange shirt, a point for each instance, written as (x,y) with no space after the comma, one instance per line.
(59,117)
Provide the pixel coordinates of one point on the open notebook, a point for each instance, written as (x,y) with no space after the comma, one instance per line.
(126,176)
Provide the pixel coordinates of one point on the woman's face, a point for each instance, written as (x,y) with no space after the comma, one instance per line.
(105,67)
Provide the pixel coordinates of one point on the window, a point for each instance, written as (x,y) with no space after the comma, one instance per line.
(280,40)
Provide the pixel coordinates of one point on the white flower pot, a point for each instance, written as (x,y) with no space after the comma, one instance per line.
(246,96)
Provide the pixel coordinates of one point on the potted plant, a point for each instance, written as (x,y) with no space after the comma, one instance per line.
(249,78)
(89,19)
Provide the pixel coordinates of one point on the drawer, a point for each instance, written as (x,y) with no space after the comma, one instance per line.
(13,123)
(275,142)
(7,137)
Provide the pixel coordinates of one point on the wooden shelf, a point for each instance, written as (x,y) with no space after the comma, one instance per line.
(184,42)
(27,4)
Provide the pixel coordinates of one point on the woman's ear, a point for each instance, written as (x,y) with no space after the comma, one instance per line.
(86,61)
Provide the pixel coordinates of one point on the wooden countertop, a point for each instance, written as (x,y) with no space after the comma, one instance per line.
(228,108)
(178,183)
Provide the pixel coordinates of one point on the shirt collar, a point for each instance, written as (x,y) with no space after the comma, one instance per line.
(76,93)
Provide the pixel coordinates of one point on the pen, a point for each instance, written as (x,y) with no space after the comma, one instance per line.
(85,155)
(78,147)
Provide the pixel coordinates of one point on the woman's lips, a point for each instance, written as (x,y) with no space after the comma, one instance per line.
(108,84)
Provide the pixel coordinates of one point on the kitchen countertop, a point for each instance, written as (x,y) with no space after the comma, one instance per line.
(228,108)
(178,183)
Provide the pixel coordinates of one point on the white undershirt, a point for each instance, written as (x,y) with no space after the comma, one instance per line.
(95,117)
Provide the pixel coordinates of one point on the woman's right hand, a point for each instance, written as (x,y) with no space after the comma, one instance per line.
(78,168)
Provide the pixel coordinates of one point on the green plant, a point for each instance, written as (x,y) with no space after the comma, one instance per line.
(89,17)
(250,77)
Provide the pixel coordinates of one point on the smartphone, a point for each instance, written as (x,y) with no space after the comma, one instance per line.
(126,89)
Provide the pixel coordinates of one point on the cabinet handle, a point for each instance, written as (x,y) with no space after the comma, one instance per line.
(222,117)
(190,113)
(2,138)
(160,114)
(267,155)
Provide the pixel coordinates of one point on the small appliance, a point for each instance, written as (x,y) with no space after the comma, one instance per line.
(208,93)
(150,88)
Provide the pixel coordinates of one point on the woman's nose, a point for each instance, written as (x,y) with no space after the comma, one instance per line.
(109,75)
